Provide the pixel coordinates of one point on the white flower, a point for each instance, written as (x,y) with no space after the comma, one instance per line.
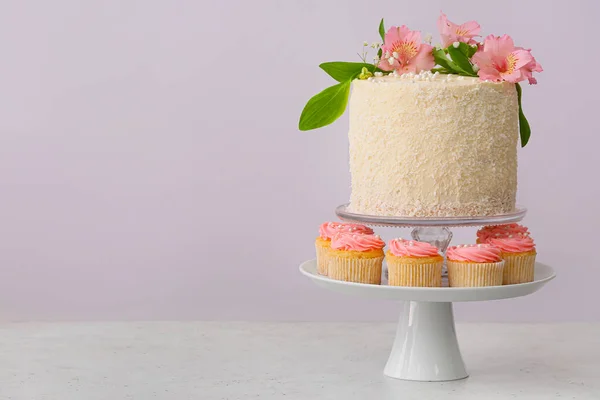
(475,68)
(428,38)
(365,44)
(455,45)
(395,55)
(391,60)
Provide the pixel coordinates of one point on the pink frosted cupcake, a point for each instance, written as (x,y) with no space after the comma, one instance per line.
(474,265)
(499,231)
(518,252)
(327,231)
(356,258)
(413,263)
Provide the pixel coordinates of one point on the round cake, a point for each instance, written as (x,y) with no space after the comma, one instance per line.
(433,145)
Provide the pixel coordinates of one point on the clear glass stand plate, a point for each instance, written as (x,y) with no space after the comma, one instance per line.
(395,221)
(433,230)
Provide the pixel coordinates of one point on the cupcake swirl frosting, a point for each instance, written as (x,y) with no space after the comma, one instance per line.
(328,230)
(356,242)
(483,253)
(513,244)
(412,248)
(498,231)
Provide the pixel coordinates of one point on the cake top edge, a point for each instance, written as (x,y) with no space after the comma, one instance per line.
(425,77)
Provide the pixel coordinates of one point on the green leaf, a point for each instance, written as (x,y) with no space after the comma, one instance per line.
(461,61)
(382,30)
(440,58)
(524,128)
(343,71)
(325,107)
(467,49)
(382,34)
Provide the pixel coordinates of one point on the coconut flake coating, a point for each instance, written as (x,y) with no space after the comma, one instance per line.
(433,146)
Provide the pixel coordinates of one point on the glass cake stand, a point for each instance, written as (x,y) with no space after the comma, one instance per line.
(434,230)
(426,347)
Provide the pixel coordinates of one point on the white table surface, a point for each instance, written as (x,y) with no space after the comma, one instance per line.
(200,360)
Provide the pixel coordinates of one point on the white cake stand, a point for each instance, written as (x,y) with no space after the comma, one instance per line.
(426,347)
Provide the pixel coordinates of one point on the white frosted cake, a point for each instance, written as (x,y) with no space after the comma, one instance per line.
(433,145)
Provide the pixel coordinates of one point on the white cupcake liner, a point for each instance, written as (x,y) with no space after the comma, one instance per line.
(414,274)
(518,268)
(361,270)
(322,258)
(466,274)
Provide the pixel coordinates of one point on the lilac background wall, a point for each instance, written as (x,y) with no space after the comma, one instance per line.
(151,168)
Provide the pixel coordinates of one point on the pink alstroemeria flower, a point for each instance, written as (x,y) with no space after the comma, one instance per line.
(530,68)
(404,52)
(451,32)
(500,60)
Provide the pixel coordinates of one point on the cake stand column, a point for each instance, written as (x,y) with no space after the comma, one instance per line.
(425,347)
(438,236)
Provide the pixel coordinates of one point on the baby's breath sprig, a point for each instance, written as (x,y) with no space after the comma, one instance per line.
(365,52)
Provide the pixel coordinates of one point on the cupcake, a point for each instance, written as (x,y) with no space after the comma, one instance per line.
(327,231)
(496,231)
(474,265)
(412,263)
(356,258)
(518,252)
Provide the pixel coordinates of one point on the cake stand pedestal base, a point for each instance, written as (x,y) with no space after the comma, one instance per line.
(425,347)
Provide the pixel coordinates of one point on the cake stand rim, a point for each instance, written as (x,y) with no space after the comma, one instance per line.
(430,294)
(405,221)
